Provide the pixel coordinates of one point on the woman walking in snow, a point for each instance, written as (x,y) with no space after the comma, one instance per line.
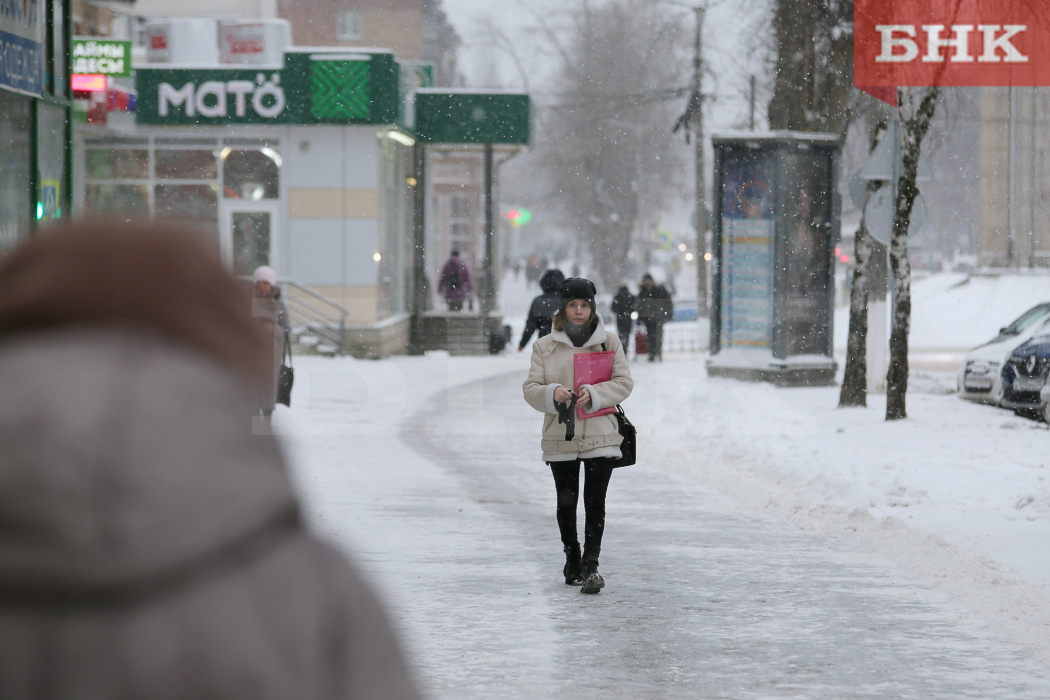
(567,442)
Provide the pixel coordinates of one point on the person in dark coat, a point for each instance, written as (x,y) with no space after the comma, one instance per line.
(455,284)
(153,546)
(272,314)
(623,306)
(542,309)
(654,309)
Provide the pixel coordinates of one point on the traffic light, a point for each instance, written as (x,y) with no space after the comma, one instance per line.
(519,217)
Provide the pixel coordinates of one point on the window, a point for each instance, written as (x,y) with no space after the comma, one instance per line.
(178,164)
(460,237)
(15,169)
(251,173)
(348,24)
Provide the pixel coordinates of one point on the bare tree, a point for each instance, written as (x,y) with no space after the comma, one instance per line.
(813,88)
(606,145)
(854,390)
(917,107)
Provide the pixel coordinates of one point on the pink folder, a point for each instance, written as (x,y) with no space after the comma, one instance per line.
(591,368)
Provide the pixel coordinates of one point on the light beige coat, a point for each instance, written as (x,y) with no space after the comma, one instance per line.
(552,366)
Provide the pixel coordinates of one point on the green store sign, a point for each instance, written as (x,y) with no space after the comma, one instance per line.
(456,116)
(102,57)
(311,88)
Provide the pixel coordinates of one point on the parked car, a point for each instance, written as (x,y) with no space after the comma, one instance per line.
(1024,376)
(980,375)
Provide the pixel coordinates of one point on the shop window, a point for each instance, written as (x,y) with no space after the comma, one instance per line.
(194,205)
(460,225)
(186,165)
(116,164)
(15,169)
(348,25)
(251,174)
(459,239)
(129,201)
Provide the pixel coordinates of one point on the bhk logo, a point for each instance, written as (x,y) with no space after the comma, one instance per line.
(951,42)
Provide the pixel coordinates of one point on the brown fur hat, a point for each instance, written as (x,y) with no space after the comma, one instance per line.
(101,272)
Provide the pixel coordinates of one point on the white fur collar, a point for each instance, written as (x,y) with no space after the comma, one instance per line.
(597,338)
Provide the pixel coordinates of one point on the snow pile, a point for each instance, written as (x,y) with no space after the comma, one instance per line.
(956,312)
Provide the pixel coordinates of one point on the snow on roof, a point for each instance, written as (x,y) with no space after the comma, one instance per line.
(471,91)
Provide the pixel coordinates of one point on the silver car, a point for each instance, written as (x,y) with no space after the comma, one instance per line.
(979,376)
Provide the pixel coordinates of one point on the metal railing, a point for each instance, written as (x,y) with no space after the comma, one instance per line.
(322,317)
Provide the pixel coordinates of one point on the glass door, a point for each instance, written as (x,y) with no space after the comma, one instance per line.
(249,235)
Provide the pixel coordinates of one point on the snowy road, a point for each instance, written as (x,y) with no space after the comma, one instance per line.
(443,502)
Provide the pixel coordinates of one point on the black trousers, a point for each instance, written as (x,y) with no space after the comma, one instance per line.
(596,483)
(624,331)
(654,331)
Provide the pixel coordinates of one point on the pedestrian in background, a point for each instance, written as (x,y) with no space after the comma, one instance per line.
(594,442)
(455,284)
(654,309)
(152,547)
(269,309)
(541,311)
(623,304)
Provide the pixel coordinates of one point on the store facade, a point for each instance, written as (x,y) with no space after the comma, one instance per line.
(35,117)
(300,165)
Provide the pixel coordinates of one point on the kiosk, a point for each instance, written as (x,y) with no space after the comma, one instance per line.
(776,221)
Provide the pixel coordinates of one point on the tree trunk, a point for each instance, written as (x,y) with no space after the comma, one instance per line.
(913,131)
(854,391)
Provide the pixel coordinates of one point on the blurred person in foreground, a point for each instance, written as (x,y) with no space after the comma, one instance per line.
(270,311)
(541,311)
(152,547)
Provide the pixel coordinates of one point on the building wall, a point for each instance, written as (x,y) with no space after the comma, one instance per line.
(395,24)
(1014,223)
(239,9)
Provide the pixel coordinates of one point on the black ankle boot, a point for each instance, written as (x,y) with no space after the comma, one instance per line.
(573,577)
(592,580)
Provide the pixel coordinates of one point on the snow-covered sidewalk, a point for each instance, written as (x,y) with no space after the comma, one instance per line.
(956,496)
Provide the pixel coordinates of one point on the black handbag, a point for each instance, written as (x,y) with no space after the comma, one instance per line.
(629,434)
(285,376)
(630,438)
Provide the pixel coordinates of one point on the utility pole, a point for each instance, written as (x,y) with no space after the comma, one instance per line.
(698,132)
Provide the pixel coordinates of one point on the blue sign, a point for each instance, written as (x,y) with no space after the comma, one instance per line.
(22,45)
(748,234)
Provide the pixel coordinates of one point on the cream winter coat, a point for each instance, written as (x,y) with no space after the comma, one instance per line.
(552,366)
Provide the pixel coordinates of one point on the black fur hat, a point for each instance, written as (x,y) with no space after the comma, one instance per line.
(578,288)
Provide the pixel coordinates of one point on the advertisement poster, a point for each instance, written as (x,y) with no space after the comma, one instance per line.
(747,250)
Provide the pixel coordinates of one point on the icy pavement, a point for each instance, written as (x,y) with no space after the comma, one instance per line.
(443,501)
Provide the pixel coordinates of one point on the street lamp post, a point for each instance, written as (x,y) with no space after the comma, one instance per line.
(701,218)
(693,120)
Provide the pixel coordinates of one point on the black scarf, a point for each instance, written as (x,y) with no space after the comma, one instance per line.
(579,334)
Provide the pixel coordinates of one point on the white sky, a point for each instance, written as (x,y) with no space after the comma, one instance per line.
(728,39)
